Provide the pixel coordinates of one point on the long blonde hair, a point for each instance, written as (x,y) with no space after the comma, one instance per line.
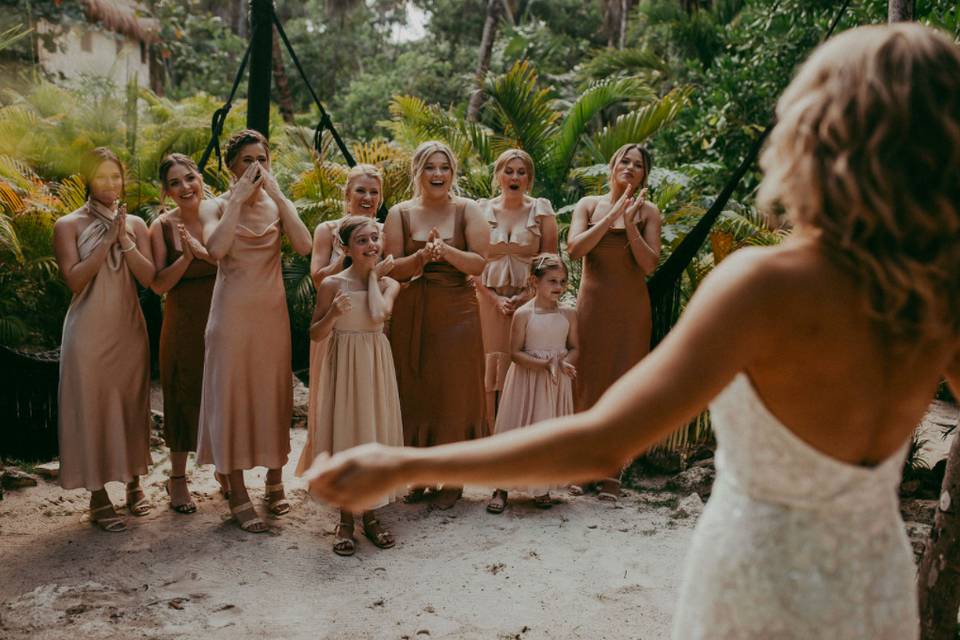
(419,161)
(867,152)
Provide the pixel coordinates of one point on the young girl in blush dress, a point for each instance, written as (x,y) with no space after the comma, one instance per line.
(543,348)
(355,399)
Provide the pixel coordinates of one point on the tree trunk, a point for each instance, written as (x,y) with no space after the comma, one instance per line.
(939,577)
(900,11)
(280,81)
(494,11)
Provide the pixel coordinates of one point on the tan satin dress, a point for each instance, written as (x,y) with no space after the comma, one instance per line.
(104,395)
(247,398)
(613,316)
(438,349)
(354,399)
(507,272)
(185,310)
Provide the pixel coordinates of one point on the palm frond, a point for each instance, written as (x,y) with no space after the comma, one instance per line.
(596,98)
(523,111)
(608,62)
(637,126)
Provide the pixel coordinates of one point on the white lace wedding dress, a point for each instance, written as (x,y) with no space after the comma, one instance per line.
(794,544)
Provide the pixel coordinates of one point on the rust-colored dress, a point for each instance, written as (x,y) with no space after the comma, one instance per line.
(247,398)
(613,316)
(104,394)
(438,350)
(185,311)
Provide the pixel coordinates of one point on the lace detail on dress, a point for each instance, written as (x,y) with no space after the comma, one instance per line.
(795,544)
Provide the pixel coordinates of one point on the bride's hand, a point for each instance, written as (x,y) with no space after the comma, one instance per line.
(356,479)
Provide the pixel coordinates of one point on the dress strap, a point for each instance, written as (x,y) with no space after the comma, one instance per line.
(459,231)
(405,225)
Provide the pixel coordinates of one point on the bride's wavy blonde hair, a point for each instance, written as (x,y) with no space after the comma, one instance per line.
(866,151)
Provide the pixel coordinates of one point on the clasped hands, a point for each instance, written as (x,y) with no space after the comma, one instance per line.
(627,207)
(255,177)
(436,250)
(557,366)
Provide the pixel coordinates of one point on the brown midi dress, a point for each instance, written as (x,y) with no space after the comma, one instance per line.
(438,349)
(185,311)
(247,398)
(613,314)
(104,394)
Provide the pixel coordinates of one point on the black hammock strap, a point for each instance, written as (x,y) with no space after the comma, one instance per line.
(664,284)
(220,116)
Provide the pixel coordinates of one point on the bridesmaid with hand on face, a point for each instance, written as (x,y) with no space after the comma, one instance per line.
(104,395)
(618,237)
(247,381)
(186,274)
(520,227)
(438,240)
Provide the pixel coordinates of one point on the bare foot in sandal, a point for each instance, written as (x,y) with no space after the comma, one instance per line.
(137,501)
(247,519)
(498,502)
(277,502)
(448,497)
(343,542)
(608,490)
(103,514)
(375,532)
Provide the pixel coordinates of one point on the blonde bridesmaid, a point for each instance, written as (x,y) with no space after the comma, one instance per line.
(247,380)
(186,274)
(438,240)
(104,395)
(355,399)
(618,237)
(520,228)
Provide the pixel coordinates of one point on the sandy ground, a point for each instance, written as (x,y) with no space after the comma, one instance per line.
(583,569)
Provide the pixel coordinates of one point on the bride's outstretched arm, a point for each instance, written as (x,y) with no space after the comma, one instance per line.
(718,336)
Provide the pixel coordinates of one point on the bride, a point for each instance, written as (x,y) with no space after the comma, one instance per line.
(818,357)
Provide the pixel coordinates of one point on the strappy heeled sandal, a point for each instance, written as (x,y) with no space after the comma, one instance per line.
(543,501)
(609,490)
(140,507)
(114,524)
(415,495)
(186,507)
(250,525)
(498,502)
(277,506)
(344,545)
(382,538)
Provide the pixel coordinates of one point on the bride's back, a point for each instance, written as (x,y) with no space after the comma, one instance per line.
(864,300)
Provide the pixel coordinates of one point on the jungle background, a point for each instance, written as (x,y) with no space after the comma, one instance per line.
(567,80)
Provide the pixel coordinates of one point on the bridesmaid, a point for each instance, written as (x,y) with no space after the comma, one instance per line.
(438,240)
(247,397)
(185,272)
(618,237)
(355,399)
(104,394)
(520,228)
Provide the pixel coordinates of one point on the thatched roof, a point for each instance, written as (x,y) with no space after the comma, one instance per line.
(123,16)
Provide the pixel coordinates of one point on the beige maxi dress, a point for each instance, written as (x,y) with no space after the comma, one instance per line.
(104,394)
(355,399)
(507,272)
(247,400)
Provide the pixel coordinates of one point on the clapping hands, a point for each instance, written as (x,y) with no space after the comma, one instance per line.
(341,303)
(557,366)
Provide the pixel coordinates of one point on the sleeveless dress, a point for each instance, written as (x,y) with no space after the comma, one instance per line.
(531,395)
(438,350)
(316,348)
(355,399)
(613,313)
(185,310)
(104,391)
(794,544)
(247,399)
(507,272)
